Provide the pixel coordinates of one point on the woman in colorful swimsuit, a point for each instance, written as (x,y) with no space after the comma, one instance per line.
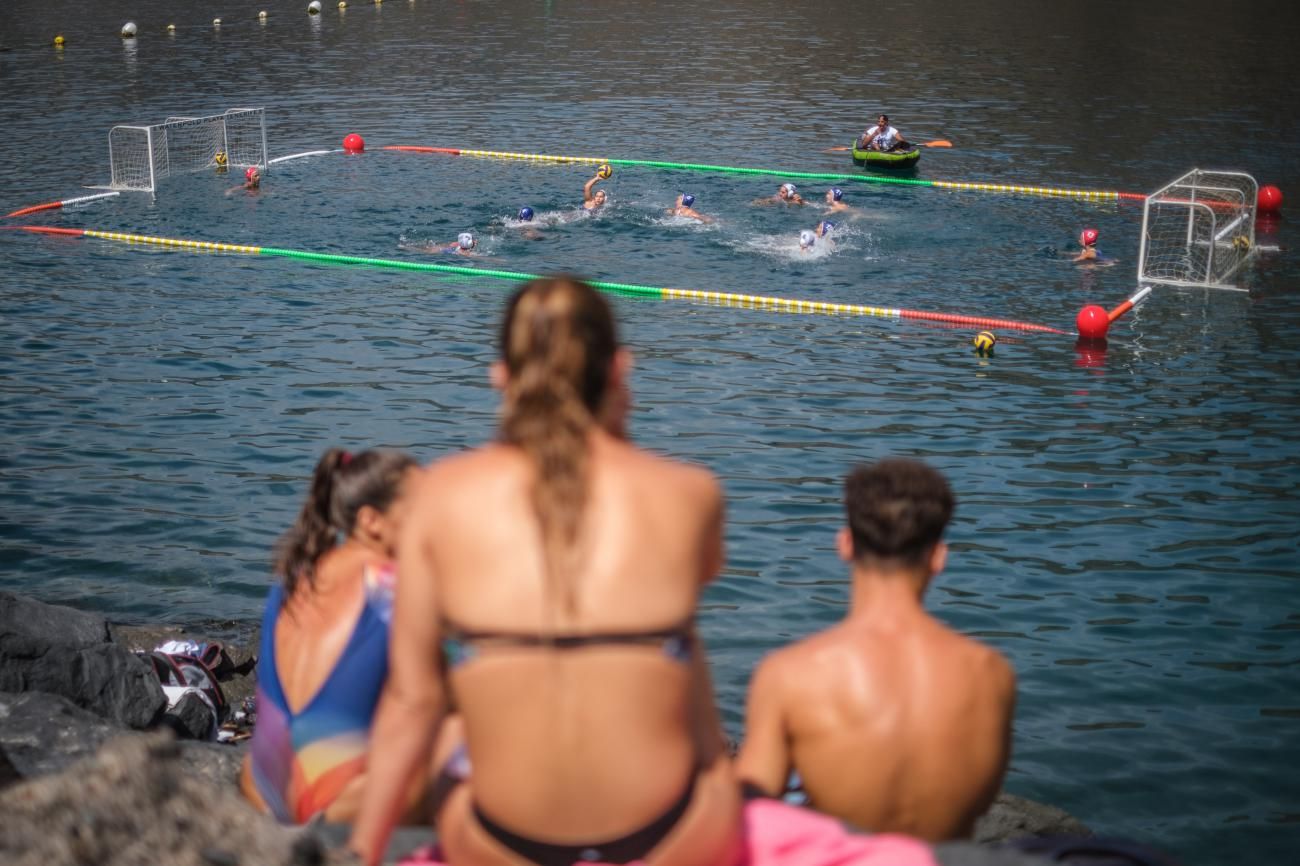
(324,653)
(549,588)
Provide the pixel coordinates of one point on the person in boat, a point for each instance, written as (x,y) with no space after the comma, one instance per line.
(894,722)
(835,200)
(883,137)
(1087,240)
(324,642)
(549,588)
(684,207)
(591,201)
(786,193)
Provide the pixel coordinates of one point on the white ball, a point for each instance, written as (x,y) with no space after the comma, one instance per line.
(128,30)
(262,14)
(313,8)
(216,22)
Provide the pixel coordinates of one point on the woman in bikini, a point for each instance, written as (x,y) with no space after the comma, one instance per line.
(324,653)
(549,587)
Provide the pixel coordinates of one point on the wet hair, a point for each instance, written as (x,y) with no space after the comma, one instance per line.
(340,486)
(557,341)
(884,117)
(897,510)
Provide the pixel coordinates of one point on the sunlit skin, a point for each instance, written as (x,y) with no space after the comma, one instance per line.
(785,194)
(681,210)
(592,200)
(873,138)
(894,722)
(556,737)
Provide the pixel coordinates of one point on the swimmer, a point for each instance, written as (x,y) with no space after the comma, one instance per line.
(527,228)
(786,193)
(1088,240)
(525,214)
(835,200)
(464,245)
(252,181)
(823,229)
(591,201)
(683,208)
(807,240)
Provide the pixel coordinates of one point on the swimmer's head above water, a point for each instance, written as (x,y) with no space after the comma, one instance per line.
(1088,237)
(465,241)
(834,194)
(687,199)
(824,228)
(252,177)
(807,240)
(786,190)
(525,214)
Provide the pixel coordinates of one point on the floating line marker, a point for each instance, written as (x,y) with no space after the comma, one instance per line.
(1050,191)
(52,205)
(756,302)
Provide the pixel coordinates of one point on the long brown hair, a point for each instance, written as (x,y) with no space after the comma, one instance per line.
(340,486)
(558,340)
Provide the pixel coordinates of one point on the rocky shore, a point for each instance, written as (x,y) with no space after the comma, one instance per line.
(95,769)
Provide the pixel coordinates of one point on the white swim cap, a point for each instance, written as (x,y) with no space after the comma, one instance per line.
(806,239)
(788,187)
(466,241)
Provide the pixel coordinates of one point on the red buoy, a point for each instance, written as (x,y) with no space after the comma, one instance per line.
(353,143)
(1092,322)
(1269,199)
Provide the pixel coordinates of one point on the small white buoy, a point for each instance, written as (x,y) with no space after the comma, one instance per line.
(313,8)
(261,15)
(216,22)
(128,30)
(171,28)
(343,4)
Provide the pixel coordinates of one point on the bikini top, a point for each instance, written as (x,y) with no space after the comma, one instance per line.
(461,645)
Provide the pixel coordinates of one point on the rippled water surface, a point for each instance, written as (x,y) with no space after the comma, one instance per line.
(1127,523)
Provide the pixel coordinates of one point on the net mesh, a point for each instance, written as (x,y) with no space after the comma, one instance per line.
(141,157)
(1198,230)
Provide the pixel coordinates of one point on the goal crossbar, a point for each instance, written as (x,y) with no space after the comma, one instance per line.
(141,156)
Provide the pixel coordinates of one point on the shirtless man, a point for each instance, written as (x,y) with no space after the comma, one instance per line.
(252,181)
(786,193)
(835,200)
(593,200)
(464,245)
(882,136)
(895,722)
(1087,240)
(683,208)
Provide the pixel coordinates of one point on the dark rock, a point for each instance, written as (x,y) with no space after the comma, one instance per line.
(103,678)
(51,624)
(8,772)
(190,719)
(133,804)
(1012,817)
(42,733)
(213,764)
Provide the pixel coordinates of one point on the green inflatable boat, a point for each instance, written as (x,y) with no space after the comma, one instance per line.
(886,158)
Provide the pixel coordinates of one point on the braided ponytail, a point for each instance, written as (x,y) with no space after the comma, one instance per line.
(557,342)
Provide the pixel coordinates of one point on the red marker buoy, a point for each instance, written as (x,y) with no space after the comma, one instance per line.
(1269,199)
(1092,322)
(353,143)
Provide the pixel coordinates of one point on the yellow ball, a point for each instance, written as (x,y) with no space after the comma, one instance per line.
(984,342)
(220,158)
(605,172)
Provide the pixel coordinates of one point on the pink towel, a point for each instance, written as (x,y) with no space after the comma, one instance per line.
(778,834)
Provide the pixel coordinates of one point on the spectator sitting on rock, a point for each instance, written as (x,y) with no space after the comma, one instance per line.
(324,654)
(894,722)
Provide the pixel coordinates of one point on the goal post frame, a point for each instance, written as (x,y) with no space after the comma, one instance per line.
(141,156)
(1203,195)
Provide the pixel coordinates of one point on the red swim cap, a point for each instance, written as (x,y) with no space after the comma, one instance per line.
(251,172)
(1088,237)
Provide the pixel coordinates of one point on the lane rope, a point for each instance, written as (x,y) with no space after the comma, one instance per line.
(756,302)
(53,205)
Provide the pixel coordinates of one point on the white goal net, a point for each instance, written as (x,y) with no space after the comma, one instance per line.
(1198,230)
(142,156)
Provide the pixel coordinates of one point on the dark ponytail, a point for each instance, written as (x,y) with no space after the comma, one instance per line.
(558,340)
(340,486)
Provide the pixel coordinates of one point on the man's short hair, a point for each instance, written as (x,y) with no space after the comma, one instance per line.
(897,509)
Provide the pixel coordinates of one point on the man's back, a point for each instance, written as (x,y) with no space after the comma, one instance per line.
(893,722)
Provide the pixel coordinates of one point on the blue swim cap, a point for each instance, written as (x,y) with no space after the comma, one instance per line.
(687,199)
(525,214)
(824,227)
(837,193)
